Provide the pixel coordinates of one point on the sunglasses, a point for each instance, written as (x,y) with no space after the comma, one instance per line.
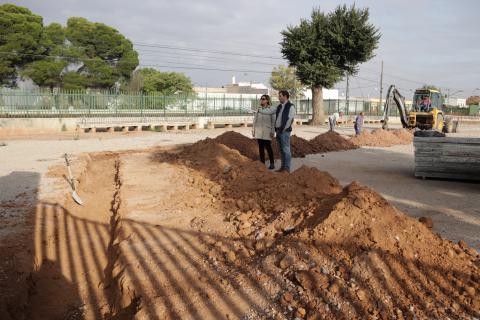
(263,98)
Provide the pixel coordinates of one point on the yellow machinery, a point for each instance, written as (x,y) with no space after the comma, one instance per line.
(426,112)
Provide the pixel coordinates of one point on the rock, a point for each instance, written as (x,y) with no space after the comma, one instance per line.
(215,190)
(428,222)
(311,280)
(301,312)
(244,216)
(227,169)
(240,204)
(361,203)
(455,306)
(361,295)
(334,287)
(470,291)
(305,279)
(450,253)
(463,244)
(287,297)
(260,245)
(230,255)
(286,262)
(472,252)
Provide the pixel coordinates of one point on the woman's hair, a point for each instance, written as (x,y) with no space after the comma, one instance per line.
(266,96)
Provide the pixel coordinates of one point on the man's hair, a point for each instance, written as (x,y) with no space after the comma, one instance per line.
(284,93)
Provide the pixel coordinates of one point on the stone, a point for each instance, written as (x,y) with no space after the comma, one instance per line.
(286,262)
(428,222)
(244,216)
(215,190)
(301,312)
(334,287)
(472,252)
(287,297)
(231,256)
(463,244)
(260,245)
(470,291)
(361,295)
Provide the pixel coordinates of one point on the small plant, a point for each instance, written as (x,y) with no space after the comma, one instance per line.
(64,127)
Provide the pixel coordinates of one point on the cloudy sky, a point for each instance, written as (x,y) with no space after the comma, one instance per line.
(424,41)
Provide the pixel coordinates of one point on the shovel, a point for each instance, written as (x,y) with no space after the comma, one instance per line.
(75,195)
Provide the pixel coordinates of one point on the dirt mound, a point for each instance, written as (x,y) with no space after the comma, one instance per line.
(300,147)
(404,135)
(237,141)
(382,138)
(331,141)
(338,253)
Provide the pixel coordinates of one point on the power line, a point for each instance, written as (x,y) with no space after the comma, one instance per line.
(193,56)
(232,53)
(204,68)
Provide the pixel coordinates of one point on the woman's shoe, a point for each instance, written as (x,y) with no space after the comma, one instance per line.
(272,166)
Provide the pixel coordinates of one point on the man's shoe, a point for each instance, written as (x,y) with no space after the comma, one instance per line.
(272,166)
(280,170)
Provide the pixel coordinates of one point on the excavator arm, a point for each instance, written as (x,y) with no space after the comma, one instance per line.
(395,98)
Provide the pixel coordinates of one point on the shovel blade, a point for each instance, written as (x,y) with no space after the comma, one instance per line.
(77,198)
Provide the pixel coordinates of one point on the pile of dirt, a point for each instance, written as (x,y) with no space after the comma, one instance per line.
(237,141)
(382,138)
(300,147)
(404,135)
(331,141)
(327,252)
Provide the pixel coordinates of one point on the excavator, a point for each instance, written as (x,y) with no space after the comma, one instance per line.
(426,112)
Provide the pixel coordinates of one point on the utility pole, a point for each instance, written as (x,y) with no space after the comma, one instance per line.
(346,95)
(381,86)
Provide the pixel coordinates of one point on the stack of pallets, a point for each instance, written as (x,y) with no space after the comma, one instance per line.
(447,157)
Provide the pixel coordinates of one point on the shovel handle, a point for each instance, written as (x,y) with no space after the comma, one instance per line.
(70,172)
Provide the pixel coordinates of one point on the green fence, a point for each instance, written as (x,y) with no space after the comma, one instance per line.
(47,103)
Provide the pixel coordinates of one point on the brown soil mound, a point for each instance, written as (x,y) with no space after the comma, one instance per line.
(331,141)
(237,141)
(382,138)
(300,147)
(338,253)
(404,135)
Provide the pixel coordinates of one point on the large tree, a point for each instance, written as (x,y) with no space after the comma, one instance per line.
(20,41)
(165,83)
(327,47)
(284,78)
(106,56)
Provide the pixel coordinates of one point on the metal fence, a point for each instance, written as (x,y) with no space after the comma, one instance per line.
(62,104)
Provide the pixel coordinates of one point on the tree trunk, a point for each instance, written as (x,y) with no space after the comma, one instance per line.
(318,117)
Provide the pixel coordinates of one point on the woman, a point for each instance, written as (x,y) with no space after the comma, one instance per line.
(264,130)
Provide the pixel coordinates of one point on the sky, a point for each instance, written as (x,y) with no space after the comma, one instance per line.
(435,42)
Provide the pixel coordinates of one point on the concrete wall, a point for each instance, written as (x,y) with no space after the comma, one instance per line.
(25,125)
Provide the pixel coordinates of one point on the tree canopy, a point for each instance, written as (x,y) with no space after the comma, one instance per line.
(284,78)
(150,80)
(20,40)
(81,54)
(327,47)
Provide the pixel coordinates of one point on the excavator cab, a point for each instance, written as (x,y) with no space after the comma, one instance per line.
(426,112)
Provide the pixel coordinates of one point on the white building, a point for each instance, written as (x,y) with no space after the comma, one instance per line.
(328,94)
(457,102)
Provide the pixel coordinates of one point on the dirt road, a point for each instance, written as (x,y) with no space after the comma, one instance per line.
(157,240)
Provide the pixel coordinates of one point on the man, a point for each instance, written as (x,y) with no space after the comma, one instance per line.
(425,104)
(333,120)
(358,124)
